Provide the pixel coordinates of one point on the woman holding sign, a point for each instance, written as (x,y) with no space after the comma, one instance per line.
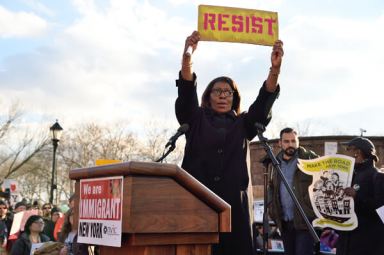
(217,141)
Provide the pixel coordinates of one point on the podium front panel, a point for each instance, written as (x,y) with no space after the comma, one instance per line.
(161,205)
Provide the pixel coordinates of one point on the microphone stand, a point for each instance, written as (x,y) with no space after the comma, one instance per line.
(170,149)
(172,141)
(276,165)
(266,161)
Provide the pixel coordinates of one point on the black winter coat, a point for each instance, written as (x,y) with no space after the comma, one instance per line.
(368,237)
(49,228)
(23,245)
(215,154)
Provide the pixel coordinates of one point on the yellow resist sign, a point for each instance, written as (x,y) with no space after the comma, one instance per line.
(227,24)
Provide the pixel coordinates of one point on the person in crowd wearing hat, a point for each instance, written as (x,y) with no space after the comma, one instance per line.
(367,192)
(20,207)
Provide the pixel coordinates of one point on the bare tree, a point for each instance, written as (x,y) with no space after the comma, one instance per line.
(18,146)
(30,162)
(153,146)
(82,146)
(35,184)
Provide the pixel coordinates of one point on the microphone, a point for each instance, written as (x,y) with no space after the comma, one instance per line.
(180,131)
(259,127)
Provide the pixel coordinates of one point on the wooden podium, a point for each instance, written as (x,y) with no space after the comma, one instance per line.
(166,211)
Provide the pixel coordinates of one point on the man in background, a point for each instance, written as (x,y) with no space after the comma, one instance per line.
(296,237)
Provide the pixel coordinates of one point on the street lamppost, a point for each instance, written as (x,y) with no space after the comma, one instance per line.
(56,130)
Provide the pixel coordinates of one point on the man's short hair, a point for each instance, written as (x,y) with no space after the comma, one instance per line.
(287,130)
(2,202)
(21,203)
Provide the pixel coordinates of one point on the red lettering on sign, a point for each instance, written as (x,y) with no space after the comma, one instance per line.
(240,24)
(257,25)
(270,23)
(209,18)
(237,22)
(221,22)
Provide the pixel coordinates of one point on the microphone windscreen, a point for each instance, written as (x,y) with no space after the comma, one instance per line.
(183,128)
(260,127)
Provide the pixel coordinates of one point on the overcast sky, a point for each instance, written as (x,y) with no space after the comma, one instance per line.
(117,60)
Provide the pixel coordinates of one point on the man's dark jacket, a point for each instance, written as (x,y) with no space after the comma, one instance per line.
(215,154)
(301,182)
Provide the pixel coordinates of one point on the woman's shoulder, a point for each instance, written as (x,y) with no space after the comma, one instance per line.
(23,236)
(20,245)
(44,238)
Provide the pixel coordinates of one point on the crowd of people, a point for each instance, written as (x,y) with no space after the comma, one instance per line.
(44,223)
(216,153)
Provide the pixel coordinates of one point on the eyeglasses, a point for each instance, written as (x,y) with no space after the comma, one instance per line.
(39,222)
(219,92)
(47,208)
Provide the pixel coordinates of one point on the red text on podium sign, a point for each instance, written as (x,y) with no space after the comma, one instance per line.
(100,211)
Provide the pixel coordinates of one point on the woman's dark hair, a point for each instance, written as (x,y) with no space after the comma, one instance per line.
(29,222)
(205,99)
(67,226)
